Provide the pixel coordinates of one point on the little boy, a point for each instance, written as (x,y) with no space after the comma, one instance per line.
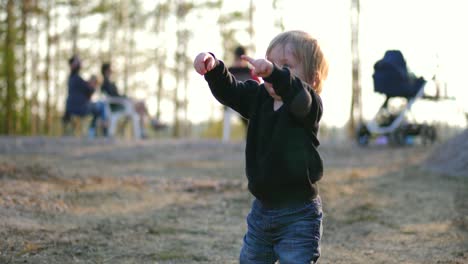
(283,165)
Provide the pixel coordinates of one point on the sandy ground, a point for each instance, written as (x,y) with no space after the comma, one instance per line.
(69,200)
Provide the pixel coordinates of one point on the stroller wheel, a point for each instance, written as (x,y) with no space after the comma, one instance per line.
(398,137)
(428,134)
(363,140)
(362,135)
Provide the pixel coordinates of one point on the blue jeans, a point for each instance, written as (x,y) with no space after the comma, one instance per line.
(98,110)
(290,235)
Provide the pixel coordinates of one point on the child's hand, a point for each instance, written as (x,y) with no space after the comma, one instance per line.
(204,62)
(262,67)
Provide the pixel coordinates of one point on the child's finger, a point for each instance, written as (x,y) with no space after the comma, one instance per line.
(249,59)
(266,67)
(209,63)
(204,63)
(198,66)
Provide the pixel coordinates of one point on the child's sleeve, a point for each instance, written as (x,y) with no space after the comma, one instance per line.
(230,92)
(302,101)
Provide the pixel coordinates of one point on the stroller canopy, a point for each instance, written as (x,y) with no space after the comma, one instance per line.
(391,76)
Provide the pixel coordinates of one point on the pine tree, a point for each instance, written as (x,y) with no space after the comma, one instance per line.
(9,62)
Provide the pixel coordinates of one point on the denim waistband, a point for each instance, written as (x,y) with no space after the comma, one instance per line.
(287,206)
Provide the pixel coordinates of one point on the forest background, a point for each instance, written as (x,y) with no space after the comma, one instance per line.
(151,45)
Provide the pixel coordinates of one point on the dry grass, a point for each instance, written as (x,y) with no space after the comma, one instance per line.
(76,201)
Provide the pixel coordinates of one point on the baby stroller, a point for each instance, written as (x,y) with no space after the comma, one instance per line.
(391,78)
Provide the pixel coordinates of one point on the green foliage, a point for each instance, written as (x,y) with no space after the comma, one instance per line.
(214,129)
(183,9)
(2,62)
(232,17)
(104,6)
(2,30)
(60,3)
(103,27)
(210,5)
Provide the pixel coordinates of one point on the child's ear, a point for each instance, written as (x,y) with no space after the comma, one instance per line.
(315,80)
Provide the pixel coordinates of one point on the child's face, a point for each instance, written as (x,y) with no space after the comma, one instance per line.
(283,56)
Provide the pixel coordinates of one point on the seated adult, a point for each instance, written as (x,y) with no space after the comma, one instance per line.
(242,72)
(241,68)
(79,98)
(110,89)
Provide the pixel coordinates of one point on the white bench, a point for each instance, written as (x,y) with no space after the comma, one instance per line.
(127,111)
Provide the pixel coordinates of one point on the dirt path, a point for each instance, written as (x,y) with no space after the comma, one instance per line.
(76,201)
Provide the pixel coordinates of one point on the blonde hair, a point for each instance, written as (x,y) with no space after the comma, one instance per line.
(308,52)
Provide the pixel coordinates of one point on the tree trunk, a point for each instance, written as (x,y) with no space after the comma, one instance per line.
(59,87)
(180,11)
(47,118)
(161,14)
(126,41)
(75,13)
(279,20)
(183,36)
(251,26)
(25,122)
(356,107)
(35,81)
(9,70)
(161,68)
(111,31)
(185,74)
(131,55)
(175,97)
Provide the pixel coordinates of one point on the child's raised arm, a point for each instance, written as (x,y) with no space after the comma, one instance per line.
(204,62)
(262,67)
